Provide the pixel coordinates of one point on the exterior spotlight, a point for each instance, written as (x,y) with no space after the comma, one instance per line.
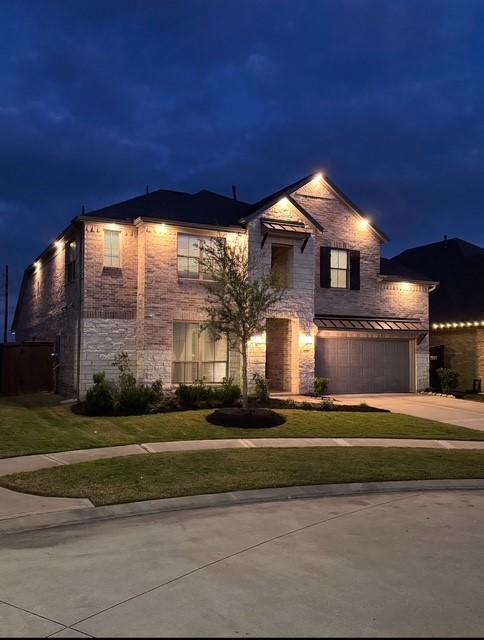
(318,176)
(283,202)
(405,286)
(58,244)
(162,228)
(364,223)
(37,264)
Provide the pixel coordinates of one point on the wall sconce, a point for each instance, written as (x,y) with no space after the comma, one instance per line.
(306,341)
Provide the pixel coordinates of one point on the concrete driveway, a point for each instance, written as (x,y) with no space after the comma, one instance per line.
(463,413)
(374,566)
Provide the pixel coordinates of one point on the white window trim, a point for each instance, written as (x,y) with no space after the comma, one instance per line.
(110,266)
(197,236)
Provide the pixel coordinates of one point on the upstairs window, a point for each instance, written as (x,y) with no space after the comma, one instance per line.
(339,269)
(71,259)
(197,354)
(281,266)
(112,254)
(190,249)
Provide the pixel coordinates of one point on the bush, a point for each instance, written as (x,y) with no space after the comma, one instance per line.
(157,388)
(194,395)
(321,386)
(449,380)
(307,406)
(261,387)
(99,398)
(135,400)
(228,393)
(327,405)
(246,418)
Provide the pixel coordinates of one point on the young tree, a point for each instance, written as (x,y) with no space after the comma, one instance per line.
(237,301)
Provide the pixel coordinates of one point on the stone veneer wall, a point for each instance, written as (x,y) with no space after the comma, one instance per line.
(463,351)
(297,303)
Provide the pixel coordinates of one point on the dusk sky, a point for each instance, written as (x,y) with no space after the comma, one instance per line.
(100,98)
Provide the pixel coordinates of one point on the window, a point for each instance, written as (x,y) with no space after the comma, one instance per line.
(281,266)
(189,251)
(112,257)
(339,269)
(71,257)
(197,355)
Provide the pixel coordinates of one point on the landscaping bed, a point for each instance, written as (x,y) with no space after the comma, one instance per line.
(168,475)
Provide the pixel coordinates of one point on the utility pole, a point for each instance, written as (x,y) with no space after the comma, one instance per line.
(5,325)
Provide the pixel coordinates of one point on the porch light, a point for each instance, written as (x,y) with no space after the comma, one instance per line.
(306,340)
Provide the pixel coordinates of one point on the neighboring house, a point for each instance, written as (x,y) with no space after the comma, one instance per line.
(126,278)
(456,307)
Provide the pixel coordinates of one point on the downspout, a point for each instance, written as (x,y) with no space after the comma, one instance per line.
(79,332)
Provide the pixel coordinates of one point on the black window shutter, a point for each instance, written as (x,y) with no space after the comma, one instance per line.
(354,269)
(324,267)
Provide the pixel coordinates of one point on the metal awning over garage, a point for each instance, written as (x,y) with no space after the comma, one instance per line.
(358,323)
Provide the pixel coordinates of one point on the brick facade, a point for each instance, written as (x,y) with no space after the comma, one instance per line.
(132,308)
(463,351)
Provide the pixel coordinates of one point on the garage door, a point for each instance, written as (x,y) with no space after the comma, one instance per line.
(356,365)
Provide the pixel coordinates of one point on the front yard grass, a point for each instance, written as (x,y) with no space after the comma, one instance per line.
(39,424)
(165,475)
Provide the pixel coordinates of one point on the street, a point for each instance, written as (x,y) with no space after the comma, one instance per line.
(376,565)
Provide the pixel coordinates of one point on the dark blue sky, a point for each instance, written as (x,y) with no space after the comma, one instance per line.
(97,99)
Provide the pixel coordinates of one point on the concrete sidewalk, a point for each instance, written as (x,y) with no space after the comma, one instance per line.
(41,461)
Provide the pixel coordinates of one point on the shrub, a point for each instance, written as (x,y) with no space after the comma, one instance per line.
(327,405)
(99,398)
(320,386)
(194,395)
(228,393)
(261,387)
(157,388)
(449,380)
(133,398)
(307,406)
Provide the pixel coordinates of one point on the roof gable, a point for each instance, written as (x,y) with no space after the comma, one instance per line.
(309,186)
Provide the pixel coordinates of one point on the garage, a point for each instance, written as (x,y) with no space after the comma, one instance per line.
(365,365)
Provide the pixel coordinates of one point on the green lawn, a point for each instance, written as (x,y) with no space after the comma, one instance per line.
(39,424)
(167,475)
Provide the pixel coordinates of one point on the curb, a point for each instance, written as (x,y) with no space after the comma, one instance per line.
(88,515)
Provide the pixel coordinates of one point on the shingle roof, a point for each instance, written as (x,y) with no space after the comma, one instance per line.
(204,207)
(391,267)
(458,266)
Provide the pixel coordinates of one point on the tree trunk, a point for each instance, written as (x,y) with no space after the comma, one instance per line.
(245,398)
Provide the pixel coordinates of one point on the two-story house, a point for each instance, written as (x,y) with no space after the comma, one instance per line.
(126,278)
